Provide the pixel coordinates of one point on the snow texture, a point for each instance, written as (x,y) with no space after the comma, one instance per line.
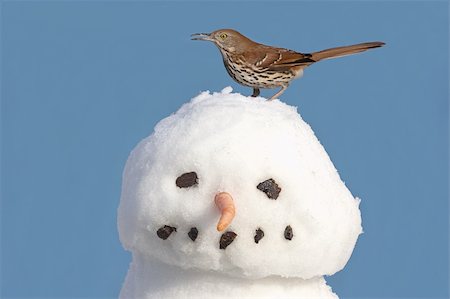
(151,279)
(233,143)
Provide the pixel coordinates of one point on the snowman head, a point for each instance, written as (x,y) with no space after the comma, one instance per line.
(241,186)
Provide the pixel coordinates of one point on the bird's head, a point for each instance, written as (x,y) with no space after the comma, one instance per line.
(226,39)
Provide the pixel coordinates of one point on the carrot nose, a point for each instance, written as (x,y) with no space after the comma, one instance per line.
(224,202)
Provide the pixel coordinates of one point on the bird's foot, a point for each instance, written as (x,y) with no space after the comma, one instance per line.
(275,96)
(255,92)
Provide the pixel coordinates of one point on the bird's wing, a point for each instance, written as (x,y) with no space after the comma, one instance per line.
(277,59)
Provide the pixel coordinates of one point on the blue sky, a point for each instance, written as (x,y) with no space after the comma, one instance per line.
(83,82)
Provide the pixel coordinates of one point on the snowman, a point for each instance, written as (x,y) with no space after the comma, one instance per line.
(234,197)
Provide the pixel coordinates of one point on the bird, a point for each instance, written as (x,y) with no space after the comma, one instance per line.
(261,66)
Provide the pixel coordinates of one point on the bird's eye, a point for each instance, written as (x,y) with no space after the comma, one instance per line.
(223,35)
(270,187)
(187,180)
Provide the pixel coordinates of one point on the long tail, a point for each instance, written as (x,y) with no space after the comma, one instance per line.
(344,51)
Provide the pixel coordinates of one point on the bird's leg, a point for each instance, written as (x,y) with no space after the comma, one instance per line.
(255,92)
(275,96)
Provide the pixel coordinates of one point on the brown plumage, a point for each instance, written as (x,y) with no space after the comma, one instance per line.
(259,66)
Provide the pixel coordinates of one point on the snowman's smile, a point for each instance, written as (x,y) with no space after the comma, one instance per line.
(226,239)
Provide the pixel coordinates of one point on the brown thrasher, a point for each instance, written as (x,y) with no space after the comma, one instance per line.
(260,66)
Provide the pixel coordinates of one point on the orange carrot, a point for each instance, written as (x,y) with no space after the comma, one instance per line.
(224,202)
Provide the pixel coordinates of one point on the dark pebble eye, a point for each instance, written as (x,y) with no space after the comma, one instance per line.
(259,235)
(269,187)
(165,231)
(288,234)
(193,233)
(187,180)
(226,239)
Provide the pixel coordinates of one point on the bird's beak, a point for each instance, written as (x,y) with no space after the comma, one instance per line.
(201,36)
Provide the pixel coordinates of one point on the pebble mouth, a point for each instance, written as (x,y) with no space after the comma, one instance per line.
(259,234)
(225,239)
(165,231)
(288,233)
(193,233)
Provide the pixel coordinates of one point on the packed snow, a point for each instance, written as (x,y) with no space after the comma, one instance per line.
(294,221)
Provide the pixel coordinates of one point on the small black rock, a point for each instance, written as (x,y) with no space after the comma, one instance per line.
(226,239)
(187,180)
(193,233)
(270,187)
(165,231)
(259,235)
(288,234)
